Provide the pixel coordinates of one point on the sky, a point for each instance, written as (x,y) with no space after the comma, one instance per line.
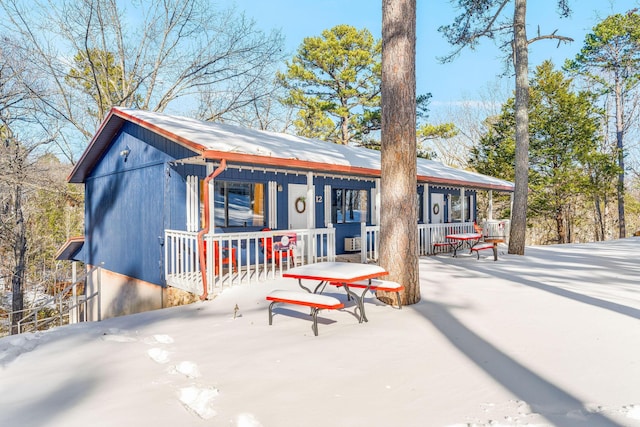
(548,338)
(470,75)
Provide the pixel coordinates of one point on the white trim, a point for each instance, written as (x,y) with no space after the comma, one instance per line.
(490,207)
(327,205)
(375,203)
(425,203)
(192,202)
(463,216)
(273,204)
(311,202)
(212,194)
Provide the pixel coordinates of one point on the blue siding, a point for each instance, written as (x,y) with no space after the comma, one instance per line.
(125,206)
(176,194)
(131,200)
(348,229)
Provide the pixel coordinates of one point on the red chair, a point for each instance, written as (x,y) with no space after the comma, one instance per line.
(217,262)
(269,253)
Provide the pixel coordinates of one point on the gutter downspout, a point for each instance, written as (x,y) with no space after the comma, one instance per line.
(205,230)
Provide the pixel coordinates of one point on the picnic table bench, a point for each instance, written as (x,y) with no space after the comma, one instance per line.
(375,285)
(488,243)
(315,301)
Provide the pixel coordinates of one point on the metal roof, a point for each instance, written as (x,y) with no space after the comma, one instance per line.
(261,148)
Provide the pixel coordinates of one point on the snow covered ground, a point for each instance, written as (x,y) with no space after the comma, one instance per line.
(551,338)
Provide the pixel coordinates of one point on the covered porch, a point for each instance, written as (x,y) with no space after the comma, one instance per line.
(255,257)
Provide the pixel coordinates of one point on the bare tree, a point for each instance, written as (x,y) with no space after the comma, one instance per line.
(471,118)
(398,215)
(18,177)
(187,55)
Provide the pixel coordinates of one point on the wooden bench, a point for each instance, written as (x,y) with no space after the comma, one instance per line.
(441,245)
(315,301)
(482,246)
(376,285)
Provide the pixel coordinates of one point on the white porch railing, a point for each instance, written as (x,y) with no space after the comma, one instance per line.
(240,258)
(428,234)
(497,228)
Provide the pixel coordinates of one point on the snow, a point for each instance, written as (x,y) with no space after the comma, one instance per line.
(550,338)
(235,139)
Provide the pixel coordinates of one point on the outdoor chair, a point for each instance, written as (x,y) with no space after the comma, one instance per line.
(271,254)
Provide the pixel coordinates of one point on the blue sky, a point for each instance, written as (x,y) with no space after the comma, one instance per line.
(468,75)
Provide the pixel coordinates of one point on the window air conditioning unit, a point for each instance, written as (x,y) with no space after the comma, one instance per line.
(352,244)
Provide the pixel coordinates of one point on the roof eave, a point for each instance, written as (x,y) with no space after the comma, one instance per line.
(463,183)
(290,163)
(70,248)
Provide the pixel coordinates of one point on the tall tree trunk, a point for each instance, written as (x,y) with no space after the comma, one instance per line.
(620,152)
(398,214)
(344,130)
(599,220)
(19,250)
(560,228)
(517,235)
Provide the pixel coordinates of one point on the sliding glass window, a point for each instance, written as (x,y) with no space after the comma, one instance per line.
(239,204)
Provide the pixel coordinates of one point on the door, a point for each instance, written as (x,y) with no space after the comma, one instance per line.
(437,208)
(297,206)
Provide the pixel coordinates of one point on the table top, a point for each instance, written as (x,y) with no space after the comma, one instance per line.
(336,271)
(464,236)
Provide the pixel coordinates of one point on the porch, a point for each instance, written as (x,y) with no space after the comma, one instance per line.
(254,257)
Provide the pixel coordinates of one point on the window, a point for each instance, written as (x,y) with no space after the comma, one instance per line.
(239,204)
(348,206)
(456,208)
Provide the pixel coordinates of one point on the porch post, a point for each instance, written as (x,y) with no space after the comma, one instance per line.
(311,202)
(425,204)
(272,201)
(327,205)
(490,208)
(209,189)
(377,203)
(462,214)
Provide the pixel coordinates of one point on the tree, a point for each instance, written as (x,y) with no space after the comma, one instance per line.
(565,160)
(479,18)
(24,135)
(181,54)
(398,214)
(96,74)
(334,82)
(610,57)
(14,228)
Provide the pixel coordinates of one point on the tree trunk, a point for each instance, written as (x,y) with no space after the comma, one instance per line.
(599,221)
(517,235)
(20,250)
(398,214)
(560,228)
(620,151)
(344,130)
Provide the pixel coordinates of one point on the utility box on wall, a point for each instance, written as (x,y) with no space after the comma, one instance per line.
(352,244)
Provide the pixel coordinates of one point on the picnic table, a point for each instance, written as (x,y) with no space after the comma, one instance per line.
(460,239)
(343,273)
(493,241)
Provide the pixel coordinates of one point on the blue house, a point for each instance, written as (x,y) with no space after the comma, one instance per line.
(147,173)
